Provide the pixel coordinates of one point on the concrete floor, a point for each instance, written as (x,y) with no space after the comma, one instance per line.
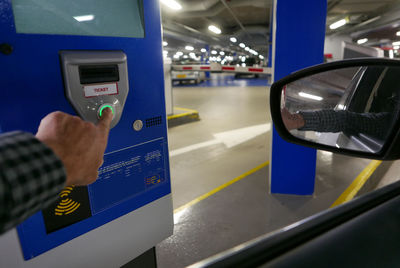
(232,138)
(221,109)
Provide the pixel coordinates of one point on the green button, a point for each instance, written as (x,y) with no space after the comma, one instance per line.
(106,106)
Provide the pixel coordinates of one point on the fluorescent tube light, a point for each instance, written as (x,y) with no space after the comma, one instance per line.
(214,29)
(233,39)
(362,41)
(214,52)
(84,18)
(172,4)
(242,45)
(338,24)
(310,96)
(190,48)
(203,50)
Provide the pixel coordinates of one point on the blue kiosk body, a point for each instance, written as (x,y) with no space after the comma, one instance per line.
(135,174)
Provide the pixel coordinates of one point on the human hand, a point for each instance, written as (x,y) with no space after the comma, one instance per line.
(292,121)
(79,144)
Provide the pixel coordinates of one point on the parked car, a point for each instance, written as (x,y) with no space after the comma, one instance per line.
(188,76)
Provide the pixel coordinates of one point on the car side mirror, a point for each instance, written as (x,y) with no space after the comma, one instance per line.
(350,107)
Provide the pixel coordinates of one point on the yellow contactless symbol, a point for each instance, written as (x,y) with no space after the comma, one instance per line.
(153,180)
(105,106)
(66,205)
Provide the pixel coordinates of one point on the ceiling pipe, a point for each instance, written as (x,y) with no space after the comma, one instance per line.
(198,5)
(217,8)
(374,24)
(233,15)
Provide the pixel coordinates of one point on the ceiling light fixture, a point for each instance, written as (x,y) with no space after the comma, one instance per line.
(362,41)
(221,53)
(397,43)
(261,57)
(247,48)
(233,39)
(214,29)
(242,45)
(190,48)
(179,53)
(338,24)
(172,4)
(398,33)
(84,18)
(203,50)
(214,52)
(310,96)
(164,43)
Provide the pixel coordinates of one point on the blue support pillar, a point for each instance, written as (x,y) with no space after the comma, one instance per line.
(208,56)
(298,42)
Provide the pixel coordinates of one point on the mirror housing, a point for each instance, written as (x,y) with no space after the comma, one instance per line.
(389,150)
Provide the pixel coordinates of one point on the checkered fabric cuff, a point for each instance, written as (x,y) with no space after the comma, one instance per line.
(31,176)
(311,120)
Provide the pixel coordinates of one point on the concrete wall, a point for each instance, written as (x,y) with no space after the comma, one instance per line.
(333,45)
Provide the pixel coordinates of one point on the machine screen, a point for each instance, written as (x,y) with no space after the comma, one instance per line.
(86,17)
(90,74)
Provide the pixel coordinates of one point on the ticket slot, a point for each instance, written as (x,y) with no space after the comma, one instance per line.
(91,74)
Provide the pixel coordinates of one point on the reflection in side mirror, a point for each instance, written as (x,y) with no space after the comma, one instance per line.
(353,108)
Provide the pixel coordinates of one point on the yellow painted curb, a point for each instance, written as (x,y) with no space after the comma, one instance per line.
(186,109)
(219,188)
(192,113)
(356,185)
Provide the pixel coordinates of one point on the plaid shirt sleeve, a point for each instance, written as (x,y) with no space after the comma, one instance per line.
(375,124)
(31,176)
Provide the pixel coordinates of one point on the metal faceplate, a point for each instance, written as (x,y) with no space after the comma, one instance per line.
(88,98)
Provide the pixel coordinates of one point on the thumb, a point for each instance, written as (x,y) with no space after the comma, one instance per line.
(105,120)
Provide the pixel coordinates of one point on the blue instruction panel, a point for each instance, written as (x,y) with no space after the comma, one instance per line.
(128,179)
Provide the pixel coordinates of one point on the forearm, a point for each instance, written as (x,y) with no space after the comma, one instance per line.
(31,176)
(336,121)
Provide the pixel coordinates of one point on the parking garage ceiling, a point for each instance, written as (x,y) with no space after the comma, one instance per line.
(249,22)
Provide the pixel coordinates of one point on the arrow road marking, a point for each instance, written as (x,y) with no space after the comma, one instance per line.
(229,138)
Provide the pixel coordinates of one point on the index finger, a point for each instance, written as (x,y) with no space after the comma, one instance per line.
(105,120)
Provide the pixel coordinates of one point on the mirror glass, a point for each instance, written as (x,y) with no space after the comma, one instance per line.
(352,108)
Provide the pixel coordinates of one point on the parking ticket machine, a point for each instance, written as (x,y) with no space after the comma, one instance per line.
(80,57)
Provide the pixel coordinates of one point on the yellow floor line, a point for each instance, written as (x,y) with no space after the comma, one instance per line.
(204,196)
(186,109)
(356,185)
(190,112)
